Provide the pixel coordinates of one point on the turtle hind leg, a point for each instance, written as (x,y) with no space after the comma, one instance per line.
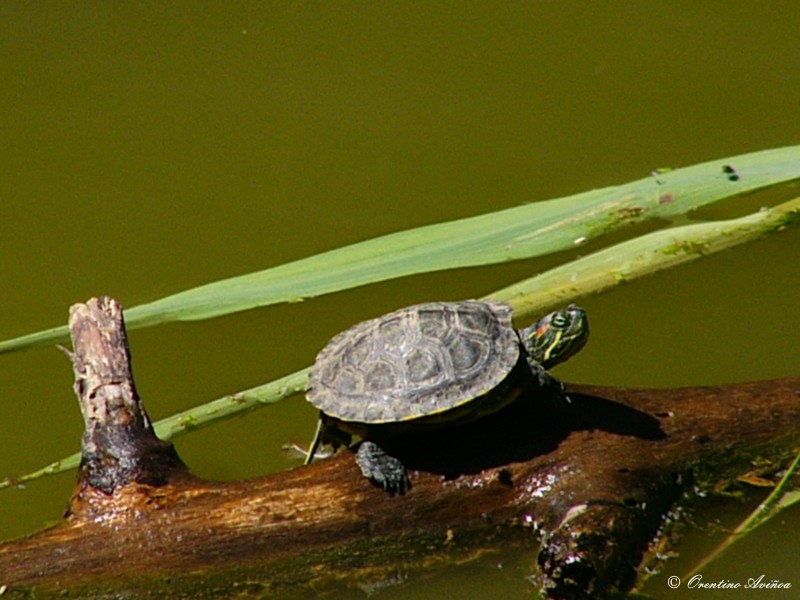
(381,468)
(312,449)
(326,433)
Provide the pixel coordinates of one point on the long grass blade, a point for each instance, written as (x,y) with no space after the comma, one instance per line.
(521,232)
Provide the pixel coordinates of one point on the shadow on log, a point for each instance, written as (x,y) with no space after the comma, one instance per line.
(584,487)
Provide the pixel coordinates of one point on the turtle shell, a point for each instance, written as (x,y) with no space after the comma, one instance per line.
(415,362)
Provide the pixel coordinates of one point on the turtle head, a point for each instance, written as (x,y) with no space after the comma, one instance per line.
(557,336)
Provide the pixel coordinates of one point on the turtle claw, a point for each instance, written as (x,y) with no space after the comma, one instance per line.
(381,468)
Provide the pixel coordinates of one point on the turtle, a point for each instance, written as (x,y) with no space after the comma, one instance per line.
(432,365)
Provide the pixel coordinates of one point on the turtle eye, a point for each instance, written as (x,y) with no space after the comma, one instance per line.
(560,320)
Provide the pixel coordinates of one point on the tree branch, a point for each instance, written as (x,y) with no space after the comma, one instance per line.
(584,487)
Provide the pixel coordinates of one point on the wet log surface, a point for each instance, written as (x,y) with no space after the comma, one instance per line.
(584,487)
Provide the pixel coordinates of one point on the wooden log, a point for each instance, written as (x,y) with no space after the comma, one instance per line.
(584,487)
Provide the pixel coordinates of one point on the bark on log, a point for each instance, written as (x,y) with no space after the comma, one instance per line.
(583,487)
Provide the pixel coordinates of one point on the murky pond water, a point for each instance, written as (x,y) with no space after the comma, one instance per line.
(152,147)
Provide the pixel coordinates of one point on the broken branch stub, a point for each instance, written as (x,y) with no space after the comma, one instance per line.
(119,445)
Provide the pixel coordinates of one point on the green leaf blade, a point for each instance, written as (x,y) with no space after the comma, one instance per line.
(515,233)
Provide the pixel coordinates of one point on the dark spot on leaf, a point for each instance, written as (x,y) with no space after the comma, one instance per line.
(730,172)
(630,214)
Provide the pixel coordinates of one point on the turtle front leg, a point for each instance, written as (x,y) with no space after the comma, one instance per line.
(381,468)
(547,382)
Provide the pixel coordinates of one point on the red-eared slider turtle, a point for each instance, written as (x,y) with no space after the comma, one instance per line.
(430,365)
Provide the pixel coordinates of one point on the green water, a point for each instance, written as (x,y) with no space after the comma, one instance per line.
(146,148)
